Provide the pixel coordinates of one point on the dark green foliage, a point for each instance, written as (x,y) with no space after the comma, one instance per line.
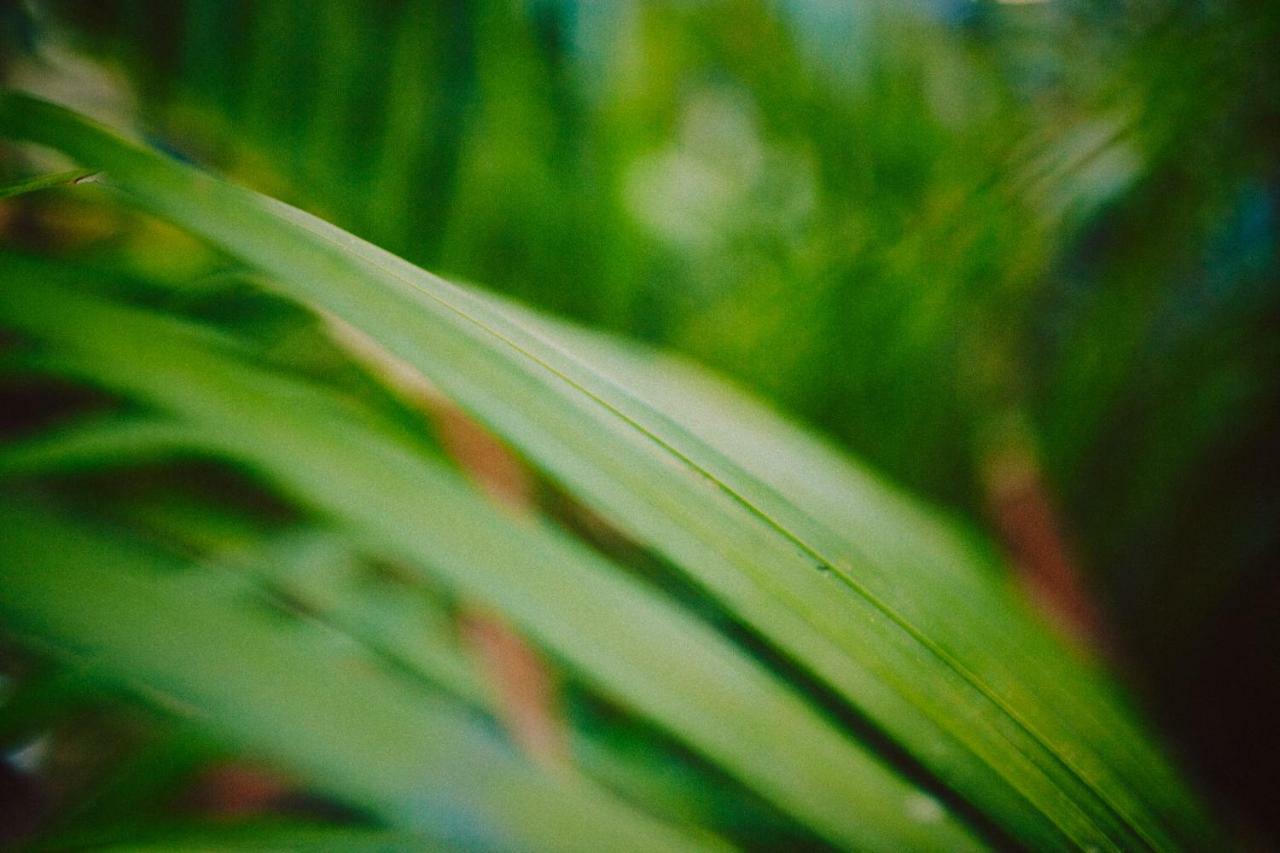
(941,235)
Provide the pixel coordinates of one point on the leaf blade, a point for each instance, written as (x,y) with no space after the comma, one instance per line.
(672,492)
(165,632)
(609,627)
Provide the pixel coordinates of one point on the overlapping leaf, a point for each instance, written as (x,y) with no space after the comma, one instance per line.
(634,645)
(196,641)
(911,636)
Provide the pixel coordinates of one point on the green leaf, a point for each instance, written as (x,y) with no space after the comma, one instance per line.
(613,630)
(257,836)
(194,641)
(41,182)
(104,440)
(40,700)
(900,643)
(970,609)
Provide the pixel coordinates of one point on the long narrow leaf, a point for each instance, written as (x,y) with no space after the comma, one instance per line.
(636,646)
(41,182)
(864,631)
(188,639)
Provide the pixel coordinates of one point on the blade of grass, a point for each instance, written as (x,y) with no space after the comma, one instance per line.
(188,639)
(781,571)
(614,631)
(105,440)
(259,836)
(41,182)
(874,523)
(643,773)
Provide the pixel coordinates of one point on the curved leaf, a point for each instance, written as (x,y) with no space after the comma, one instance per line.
(187,638)
(888,640)
(634,645)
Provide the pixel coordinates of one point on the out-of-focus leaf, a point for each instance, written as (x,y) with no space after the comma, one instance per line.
(614,631)
(101,441)
(970,609)
(41,182)
(38,701)
(258,836)
(867,631)
(196,641)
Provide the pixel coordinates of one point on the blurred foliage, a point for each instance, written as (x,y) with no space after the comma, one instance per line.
(935,230)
